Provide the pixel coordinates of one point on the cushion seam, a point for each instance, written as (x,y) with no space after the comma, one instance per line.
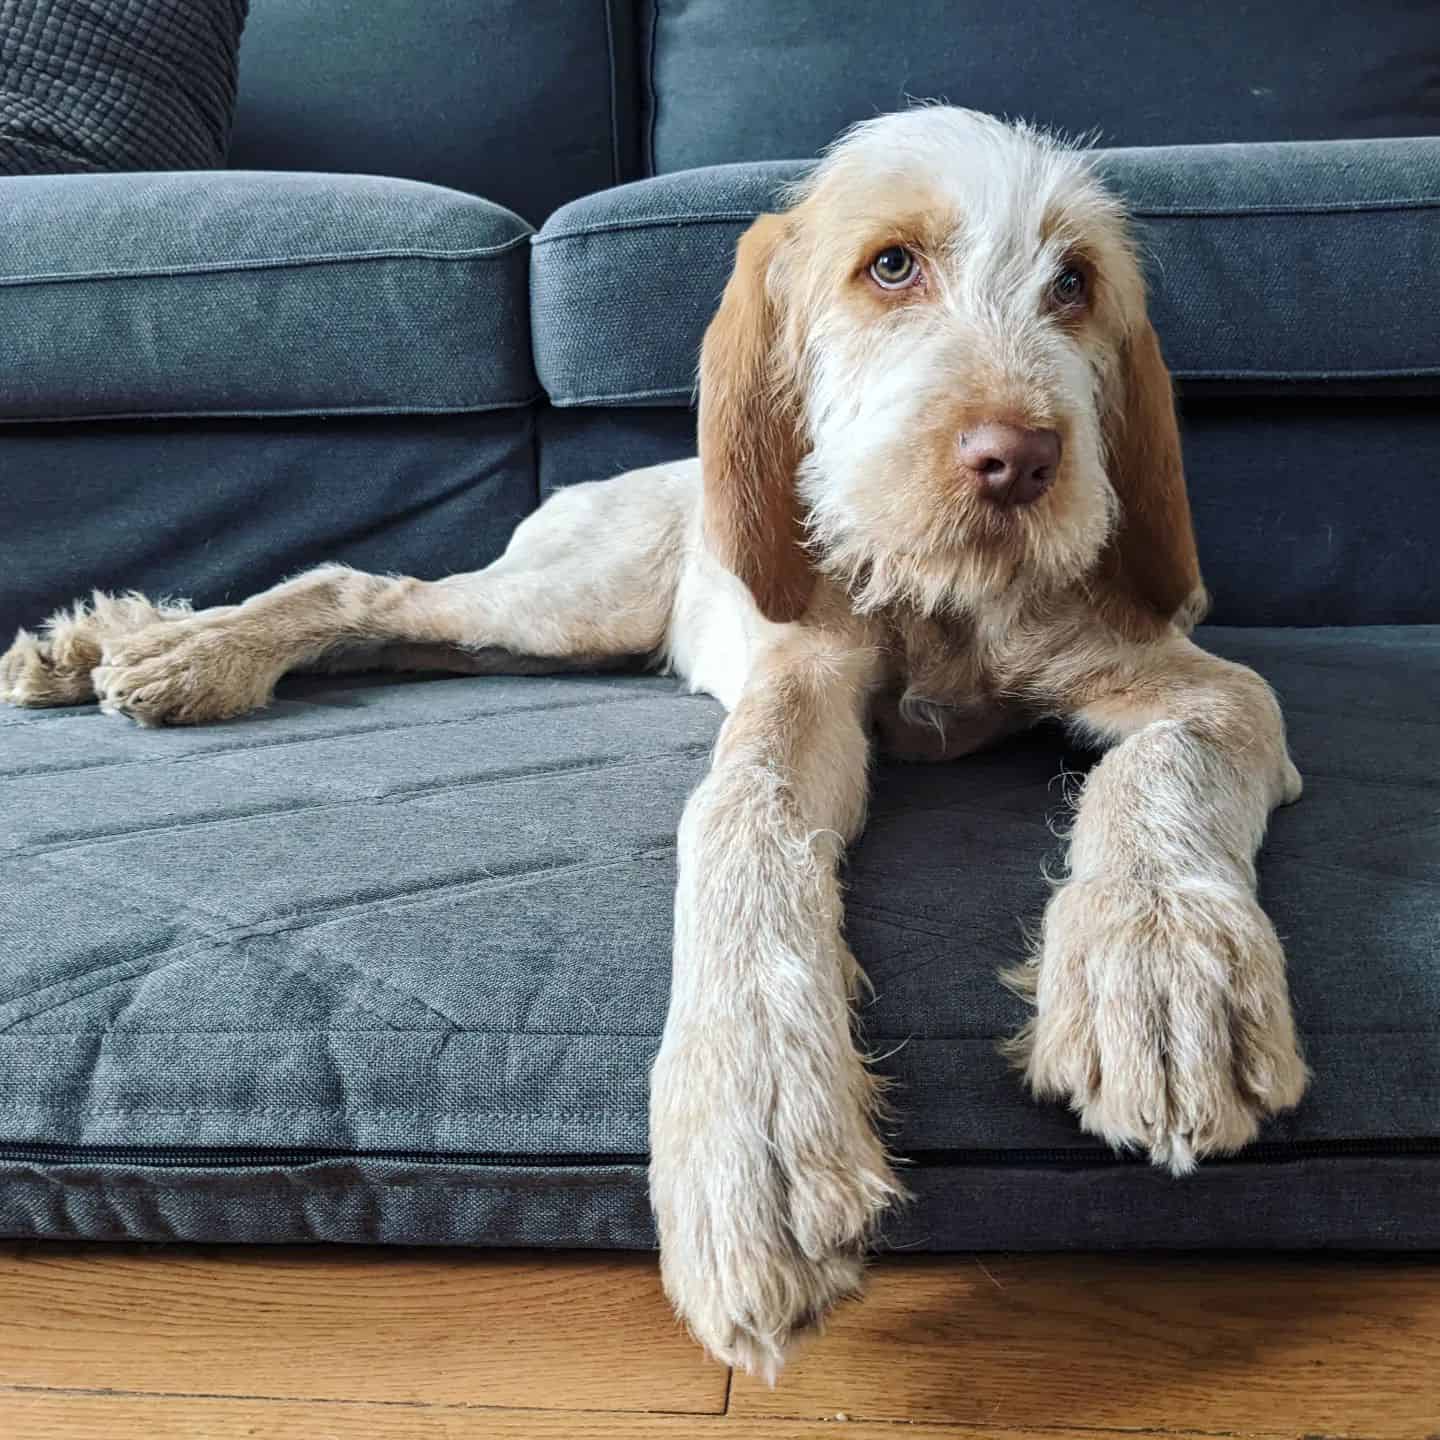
(668,392)
(204,935)
(670,220)
(658,222)
(539,1113)
(277,262)
(1398,372)
(444,787)
(654,89)
(82,712)
(221,932)
(205,412)
(316,917)
(393,727)
(612,92)
(987,1040)
(1384,206)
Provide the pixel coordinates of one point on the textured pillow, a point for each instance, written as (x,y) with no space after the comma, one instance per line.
(116,84)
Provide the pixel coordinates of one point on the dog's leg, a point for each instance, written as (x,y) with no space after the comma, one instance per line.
(589,577)
(1163,1013)
(766,1170)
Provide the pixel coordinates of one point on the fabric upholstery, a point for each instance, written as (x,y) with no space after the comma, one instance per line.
(116,84)
(529,102)
(1348,1197)
(433,919)
(1308,511)
(216,510)
(1273,268)
(232,293)
(734,80)
(388,962)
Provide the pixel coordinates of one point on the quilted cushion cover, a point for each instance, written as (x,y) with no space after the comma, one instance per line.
(116,84)
(389,961)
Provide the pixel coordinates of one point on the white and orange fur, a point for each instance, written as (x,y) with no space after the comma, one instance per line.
(834,567)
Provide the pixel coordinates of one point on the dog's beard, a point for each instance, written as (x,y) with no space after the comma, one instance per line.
(948,552)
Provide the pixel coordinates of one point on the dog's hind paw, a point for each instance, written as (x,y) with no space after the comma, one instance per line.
(31,675)
(55,667)
(190,673)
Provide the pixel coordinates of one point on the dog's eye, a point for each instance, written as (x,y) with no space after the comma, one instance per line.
(1068,288)
(894,268)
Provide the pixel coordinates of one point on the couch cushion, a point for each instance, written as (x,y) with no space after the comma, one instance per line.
(751,80)
(391,935)
(144,85)
(531,102)
(236,293)
(1273,267)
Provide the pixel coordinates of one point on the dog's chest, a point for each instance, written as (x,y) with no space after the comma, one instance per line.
(941,699)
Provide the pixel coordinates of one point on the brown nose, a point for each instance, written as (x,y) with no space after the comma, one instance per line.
(1012,466)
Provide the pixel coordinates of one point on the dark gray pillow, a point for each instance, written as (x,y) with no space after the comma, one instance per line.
(117,84)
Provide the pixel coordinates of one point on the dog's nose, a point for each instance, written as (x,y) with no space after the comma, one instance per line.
(1012,466)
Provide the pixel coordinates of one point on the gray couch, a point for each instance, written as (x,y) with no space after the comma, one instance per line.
(388,961)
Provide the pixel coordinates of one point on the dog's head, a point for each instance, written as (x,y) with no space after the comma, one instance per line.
(933,377)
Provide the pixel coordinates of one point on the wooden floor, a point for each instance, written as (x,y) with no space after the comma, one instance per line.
(350,1344)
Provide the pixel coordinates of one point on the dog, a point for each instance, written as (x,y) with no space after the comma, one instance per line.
(939,497)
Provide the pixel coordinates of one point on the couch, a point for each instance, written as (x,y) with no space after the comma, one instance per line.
(388,961)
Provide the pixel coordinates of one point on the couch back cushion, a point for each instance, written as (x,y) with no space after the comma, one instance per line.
(528,103)
(733,80)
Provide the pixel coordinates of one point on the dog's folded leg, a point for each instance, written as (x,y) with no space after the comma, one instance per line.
(1163,1013)
(766,1170)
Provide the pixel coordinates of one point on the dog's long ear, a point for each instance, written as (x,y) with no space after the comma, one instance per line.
(752,435)
(1151,565)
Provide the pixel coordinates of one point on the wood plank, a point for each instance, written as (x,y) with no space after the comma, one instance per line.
(47,1415)
(537,1330)
(1264,1345)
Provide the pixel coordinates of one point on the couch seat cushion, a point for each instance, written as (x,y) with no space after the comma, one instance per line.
(245,293)
(388,922)
(1274,266)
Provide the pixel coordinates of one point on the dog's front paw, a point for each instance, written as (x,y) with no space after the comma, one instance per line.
(759,1238)
(1162,1016)
(185,673)
(732,1270)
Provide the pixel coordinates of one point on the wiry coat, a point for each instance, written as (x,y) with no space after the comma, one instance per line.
(832,568)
